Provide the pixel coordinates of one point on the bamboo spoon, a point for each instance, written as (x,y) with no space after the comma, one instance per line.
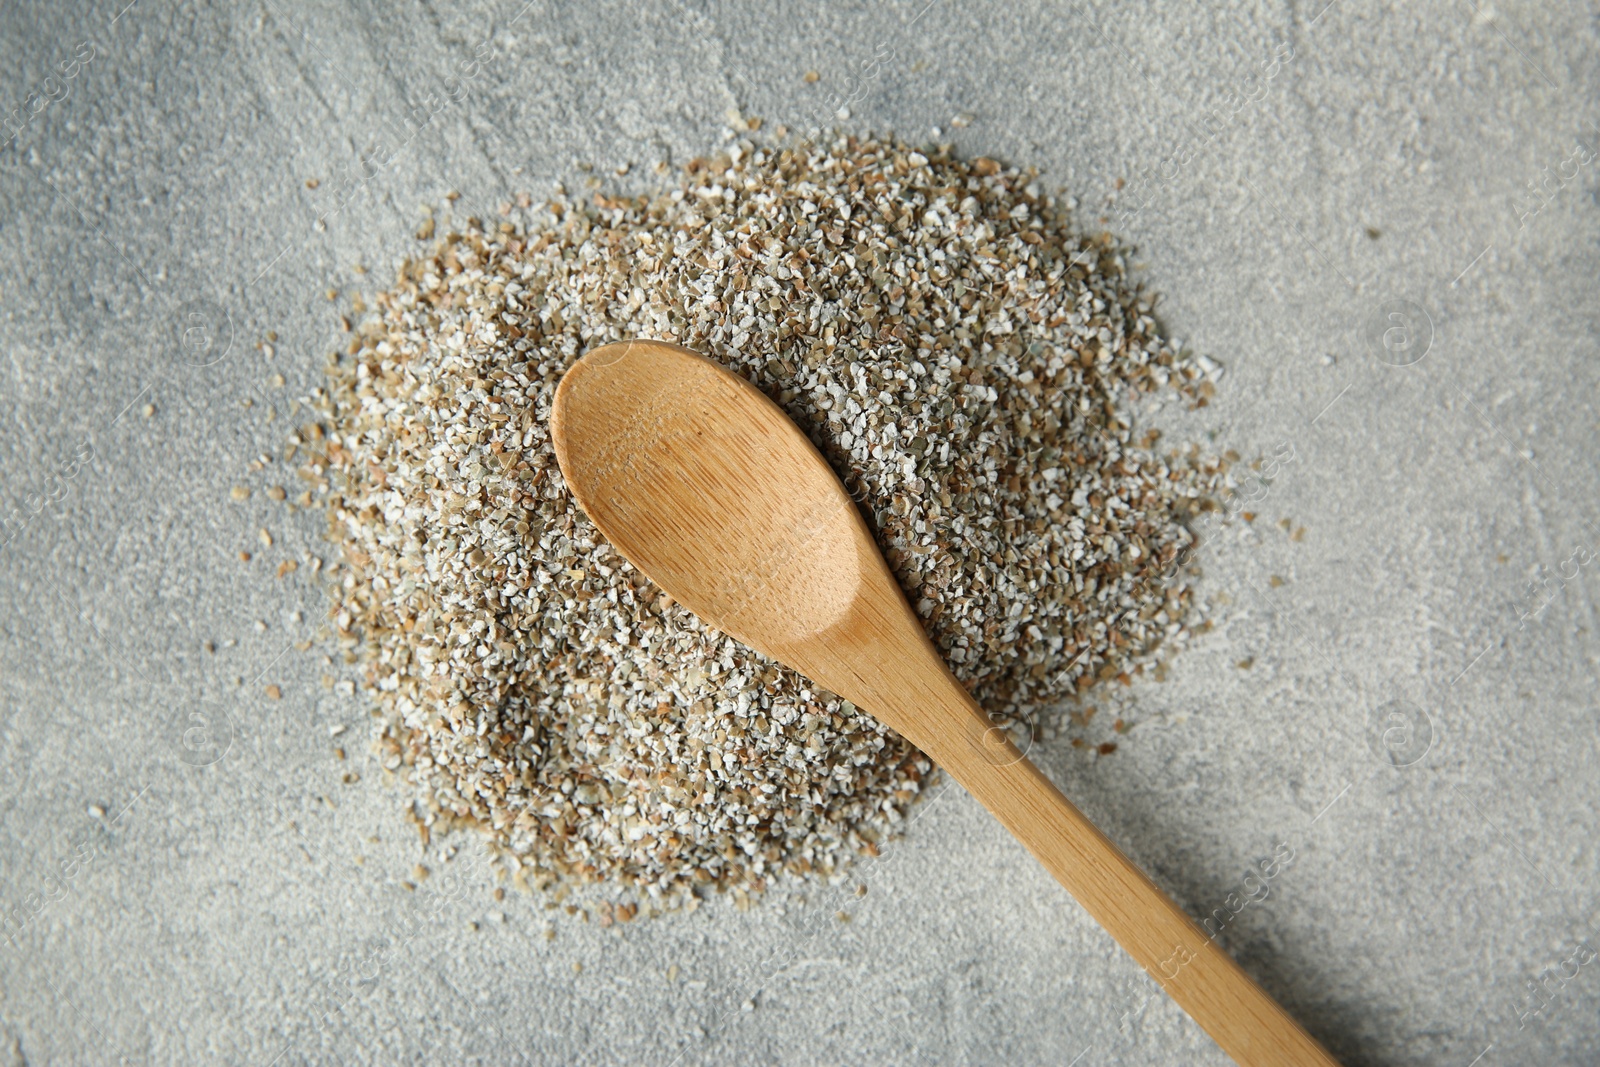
(706,486)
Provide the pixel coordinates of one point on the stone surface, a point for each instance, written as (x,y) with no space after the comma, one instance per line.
(1368,204)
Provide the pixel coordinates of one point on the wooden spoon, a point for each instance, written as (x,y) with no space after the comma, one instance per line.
(706,486)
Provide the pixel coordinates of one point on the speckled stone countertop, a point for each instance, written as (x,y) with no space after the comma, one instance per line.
(1382,224)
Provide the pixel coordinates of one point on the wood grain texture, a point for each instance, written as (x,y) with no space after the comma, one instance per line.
(708,488)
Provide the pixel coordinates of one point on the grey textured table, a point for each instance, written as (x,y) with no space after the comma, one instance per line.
(1381,223)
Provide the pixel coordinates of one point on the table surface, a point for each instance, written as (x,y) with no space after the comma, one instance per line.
(1381,223)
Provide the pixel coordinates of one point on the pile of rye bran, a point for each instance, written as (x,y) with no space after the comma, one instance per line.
(964,359)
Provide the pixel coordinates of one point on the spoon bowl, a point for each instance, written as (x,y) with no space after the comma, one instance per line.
(726,539)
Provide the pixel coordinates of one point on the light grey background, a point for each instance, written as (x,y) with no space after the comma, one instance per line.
(252,911)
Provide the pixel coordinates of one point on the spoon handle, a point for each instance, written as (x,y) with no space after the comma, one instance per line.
(1194,971)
